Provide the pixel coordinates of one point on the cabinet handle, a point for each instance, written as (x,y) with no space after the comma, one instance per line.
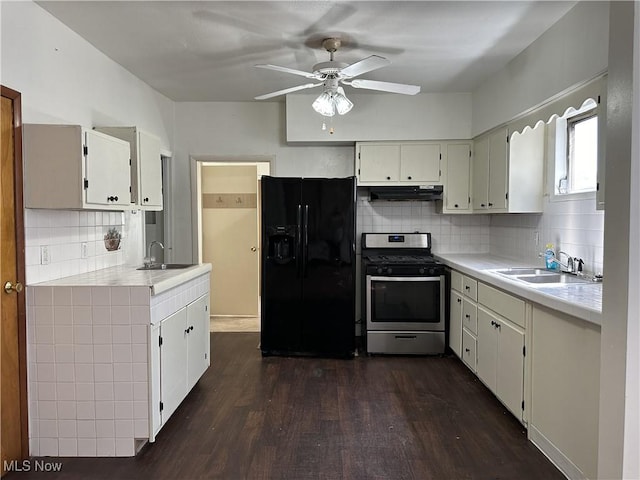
(408,178)
(482,205)
(456,205)
(467,350)
(146,199)
(186,331)
(459,300)
(466,287)
(388,178)
(490,204)
(467,316)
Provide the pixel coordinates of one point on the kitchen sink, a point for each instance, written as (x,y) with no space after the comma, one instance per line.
(165,266)
(550,278)
(525,271)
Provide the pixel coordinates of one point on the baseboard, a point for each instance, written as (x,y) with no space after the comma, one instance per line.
(553,453)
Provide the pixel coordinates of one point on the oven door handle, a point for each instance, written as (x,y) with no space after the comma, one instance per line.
(298,250)
(406,279)
(305,241)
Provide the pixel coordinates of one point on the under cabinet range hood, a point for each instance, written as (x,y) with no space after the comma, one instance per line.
(409,192)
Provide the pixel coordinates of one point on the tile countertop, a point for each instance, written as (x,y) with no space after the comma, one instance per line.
(582,300)
(126,276)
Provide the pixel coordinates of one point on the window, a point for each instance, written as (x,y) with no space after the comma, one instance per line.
(579,134)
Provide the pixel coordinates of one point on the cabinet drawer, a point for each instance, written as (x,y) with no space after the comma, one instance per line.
(506,305)
(470,288)
(456,281)
(469,349)
(470,316)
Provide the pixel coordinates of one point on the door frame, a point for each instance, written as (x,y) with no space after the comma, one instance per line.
(16,98)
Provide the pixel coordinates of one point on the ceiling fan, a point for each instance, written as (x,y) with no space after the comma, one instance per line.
(331,74)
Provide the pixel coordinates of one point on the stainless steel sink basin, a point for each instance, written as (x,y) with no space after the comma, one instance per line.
(525,271)
(550,278)
(165,266)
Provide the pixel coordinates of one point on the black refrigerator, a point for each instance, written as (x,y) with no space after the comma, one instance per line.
(308,266)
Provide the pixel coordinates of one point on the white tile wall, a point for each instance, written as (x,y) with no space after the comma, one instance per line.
(449,233)
(64,232)
(87,369)
(574,226)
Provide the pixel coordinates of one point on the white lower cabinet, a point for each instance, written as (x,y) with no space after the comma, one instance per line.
(500,359)
(565,390)
(180,355)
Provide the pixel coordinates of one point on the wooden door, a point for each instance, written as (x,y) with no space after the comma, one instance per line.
(480,178)
(420,163)
(13,390)
(498,166)
(486,349)
(379,163)
(458,171)
(510,367)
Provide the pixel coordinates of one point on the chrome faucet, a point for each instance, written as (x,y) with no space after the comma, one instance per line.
(149,259)
(574,264)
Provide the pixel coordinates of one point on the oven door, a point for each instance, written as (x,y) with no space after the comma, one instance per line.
(405,303)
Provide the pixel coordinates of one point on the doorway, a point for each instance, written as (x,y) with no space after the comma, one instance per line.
(13,381)
(229,238)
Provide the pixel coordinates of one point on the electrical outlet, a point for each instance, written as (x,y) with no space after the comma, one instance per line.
(84,250)
(44,255)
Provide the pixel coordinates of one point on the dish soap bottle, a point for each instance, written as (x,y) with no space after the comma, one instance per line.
(550,257)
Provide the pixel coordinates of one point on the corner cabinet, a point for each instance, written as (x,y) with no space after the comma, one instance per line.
(179,357)
(490,172)
(398,163)
(90,170)
(146,166)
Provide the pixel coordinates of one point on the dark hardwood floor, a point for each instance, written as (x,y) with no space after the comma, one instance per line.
(304,418)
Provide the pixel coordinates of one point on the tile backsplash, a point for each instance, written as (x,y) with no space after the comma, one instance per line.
(449,233)
(573,226)
(73,240)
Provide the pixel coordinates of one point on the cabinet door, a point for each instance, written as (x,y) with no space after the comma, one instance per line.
(480,193)
(456,191)
(173,367)
(198,325)
(498,157)
(510,367)
(106,170)
(487,348)
(420,163)
(455,323)
(150,171)
(379,163)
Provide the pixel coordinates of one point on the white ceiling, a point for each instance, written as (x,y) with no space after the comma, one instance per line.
(205,51)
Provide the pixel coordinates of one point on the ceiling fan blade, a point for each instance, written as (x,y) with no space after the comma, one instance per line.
(287,90)
(385,86)
(286,70)
(363,66)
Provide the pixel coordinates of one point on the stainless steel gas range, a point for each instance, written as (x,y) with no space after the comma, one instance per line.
(403,294)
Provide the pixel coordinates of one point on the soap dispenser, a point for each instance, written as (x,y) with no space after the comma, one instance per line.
(550,257)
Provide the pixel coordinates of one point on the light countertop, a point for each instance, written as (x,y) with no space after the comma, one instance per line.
(126,276)
(582,300)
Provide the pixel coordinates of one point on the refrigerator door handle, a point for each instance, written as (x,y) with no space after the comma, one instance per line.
(305,244)
(298,250)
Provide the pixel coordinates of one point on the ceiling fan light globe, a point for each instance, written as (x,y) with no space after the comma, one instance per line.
(324,105)
(343,104)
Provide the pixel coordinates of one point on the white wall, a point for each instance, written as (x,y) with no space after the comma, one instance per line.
(573,50)
(233,131)
(379,116)
(63,79)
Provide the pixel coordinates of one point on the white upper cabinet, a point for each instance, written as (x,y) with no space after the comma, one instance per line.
(508,176)
(68,167)
(146,166)
(456,196)
(398,163)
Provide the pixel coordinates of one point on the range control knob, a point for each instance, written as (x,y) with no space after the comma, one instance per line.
(431,271)
(421,270)
(389,270)
(380,270)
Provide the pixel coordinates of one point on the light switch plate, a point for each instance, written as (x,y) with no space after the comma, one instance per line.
(44,255)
